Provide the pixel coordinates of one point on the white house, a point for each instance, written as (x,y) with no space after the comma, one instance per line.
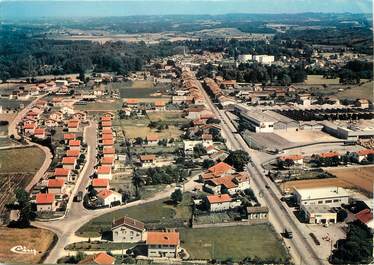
(108,197)
(104,172)
(127,230)
(162,244)
(45,202)
(331,196)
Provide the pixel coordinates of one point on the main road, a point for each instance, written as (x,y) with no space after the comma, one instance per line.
(300,246)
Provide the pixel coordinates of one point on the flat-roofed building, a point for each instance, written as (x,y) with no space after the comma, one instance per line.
(319,214)
(331,196)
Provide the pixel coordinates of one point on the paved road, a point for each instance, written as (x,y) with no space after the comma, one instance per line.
(12,128)
(77,215)
(300,247)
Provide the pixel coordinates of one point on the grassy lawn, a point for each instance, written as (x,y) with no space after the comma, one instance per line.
(236,242)
(154,149)
(167,117)
(28,159)
(153,212)
(31,238)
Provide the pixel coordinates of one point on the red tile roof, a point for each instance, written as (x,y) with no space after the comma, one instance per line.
(69,136)
(29,126)
(45,198)
(100,183)
(107,136)
(163,238)
(129,222)
(329,154)
(55,183)
(107,161)
(107,130)
(73,153)
(105,193)
(69,160)
(159,103)
(100,258)
(132,101)
(152,137)
(108,142)
(364,216)
(104,170)
(220,168)
(106,124)
(365,152)
(61,171)
(109,150)
(291,157)
(219,198)
(73,124)
(147,157)
(106,118)
(74,142)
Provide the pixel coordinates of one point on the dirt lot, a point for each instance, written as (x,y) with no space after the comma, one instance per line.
(31,238)
(360,177)
(363,91)
(319,80)
(306,136)
(314,183)
(142,130)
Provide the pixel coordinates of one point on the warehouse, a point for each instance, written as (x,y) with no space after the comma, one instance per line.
(267,121)
(331,196)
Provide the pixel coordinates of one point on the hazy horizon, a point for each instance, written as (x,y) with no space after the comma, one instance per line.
(14,9)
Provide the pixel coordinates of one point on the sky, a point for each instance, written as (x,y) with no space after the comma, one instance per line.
(17,9)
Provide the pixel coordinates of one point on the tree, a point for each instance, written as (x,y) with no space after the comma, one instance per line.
(207,163)
(24,205)
(238,159)
(176,196)
(199,150)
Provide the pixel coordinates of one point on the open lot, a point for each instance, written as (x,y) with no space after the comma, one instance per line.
(21,160)
(305,136)
(361,178)
(357,92)
(6,117)
(236,242)
(141,89)
(100,106)
(31,238)
(154,212)
(319,80)
(142,130)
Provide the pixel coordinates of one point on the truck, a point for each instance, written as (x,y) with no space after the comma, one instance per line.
(288,233)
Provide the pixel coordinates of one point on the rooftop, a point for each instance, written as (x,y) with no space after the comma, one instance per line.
(100,258)
(219,198)
(100,182)
(45,198)
(130,222)
(323,192)
(162,238)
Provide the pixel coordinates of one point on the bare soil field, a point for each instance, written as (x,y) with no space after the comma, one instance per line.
(306,136)
(31,238)
(319,80)
(314,183)
(142,130)
(364,91)
(361,178)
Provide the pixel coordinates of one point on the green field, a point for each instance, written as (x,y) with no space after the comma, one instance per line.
(98,245)
(153,212)
(236,242)
(21,160)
